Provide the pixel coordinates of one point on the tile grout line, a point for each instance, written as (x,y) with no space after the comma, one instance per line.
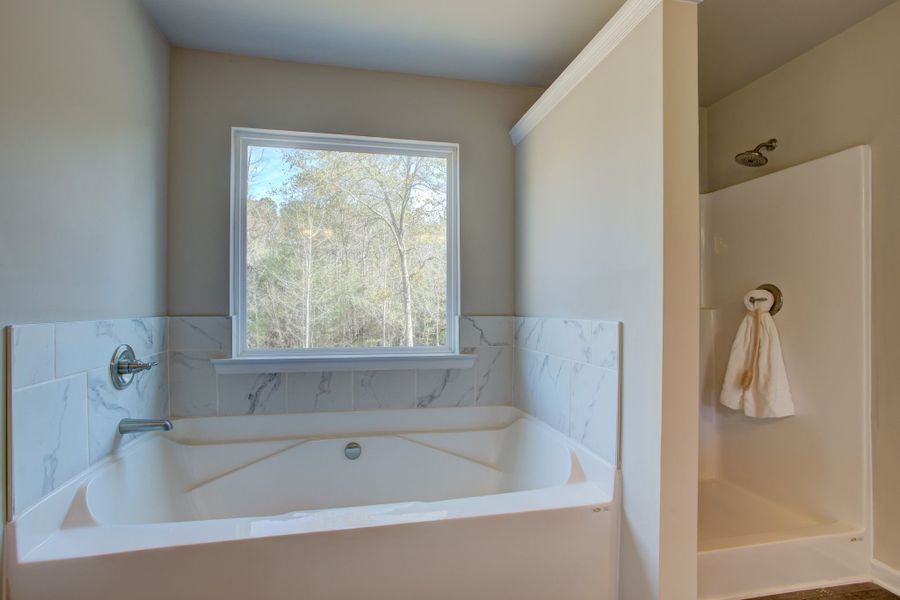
(87,425)
(49,381)
(55,352)
(218,394)
(476,400)
(53,355)
(571,360)
(352,390)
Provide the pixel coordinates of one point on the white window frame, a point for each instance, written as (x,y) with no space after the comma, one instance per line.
(321,358)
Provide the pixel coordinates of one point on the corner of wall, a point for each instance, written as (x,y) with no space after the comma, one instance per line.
(703,120)
(679,427)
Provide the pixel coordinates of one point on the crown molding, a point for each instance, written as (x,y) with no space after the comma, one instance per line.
(615,30)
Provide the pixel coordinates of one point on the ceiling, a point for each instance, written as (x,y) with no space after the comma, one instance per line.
(742,40)
(505,41)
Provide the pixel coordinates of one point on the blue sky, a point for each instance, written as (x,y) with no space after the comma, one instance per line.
(269,173)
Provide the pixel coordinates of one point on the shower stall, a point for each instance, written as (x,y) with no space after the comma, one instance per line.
(784,503)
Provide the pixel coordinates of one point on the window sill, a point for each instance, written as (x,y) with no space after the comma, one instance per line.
(294,364)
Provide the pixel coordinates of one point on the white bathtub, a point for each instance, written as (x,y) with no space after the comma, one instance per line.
(442,503)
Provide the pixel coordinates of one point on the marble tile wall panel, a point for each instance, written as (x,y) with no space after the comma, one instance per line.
(492,339)
(85,345)
(200,333)
(594,409)
(384,389)
(31,354)
(194,384)
(588,341)
(320,392)
(485,332)
(186,385)
(49,437)
(567,375)
(565,338)
(146,398)
(254,394)
(197,391)
(543,383)
(61,370)
(494,370)
(441,388)
(605,343)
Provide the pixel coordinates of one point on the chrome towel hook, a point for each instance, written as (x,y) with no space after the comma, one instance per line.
(776,294)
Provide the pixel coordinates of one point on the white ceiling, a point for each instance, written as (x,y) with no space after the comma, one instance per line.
(742,40)
(507,41)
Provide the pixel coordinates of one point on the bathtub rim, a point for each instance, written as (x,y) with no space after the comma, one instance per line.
(63,518)
(225,429)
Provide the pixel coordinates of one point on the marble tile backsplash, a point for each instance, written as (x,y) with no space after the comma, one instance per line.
(319,392)
(196,390)
(63,407)
(55,416)
(567,375)
(252,394)
(146,398)
(84,345)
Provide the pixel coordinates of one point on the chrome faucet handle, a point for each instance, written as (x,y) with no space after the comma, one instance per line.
(124,365)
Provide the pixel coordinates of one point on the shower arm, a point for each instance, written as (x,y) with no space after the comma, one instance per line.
(769,146)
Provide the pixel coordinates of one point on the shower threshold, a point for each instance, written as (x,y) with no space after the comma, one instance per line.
(751,546)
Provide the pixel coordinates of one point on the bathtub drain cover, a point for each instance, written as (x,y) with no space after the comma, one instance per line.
(352,450)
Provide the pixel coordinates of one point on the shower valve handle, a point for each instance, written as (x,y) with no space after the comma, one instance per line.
(125,367)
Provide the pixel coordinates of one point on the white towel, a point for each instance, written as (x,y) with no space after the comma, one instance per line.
(768,394)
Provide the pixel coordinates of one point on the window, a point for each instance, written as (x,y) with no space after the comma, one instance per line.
(343,245)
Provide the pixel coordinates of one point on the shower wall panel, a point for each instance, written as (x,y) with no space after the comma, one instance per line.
(805,229)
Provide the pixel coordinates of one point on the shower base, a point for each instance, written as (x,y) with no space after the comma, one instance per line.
(732,516)
(751,546)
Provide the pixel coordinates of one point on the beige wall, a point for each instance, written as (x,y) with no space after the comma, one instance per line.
(843,93)
(597,188)
(679,430)
(704,147)
(83,113)
(213,92)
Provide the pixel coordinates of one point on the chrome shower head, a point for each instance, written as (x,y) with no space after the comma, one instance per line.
(755,157)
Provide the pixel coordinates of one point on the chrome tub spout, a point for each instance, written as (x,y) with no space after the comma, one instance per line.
(142,425)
